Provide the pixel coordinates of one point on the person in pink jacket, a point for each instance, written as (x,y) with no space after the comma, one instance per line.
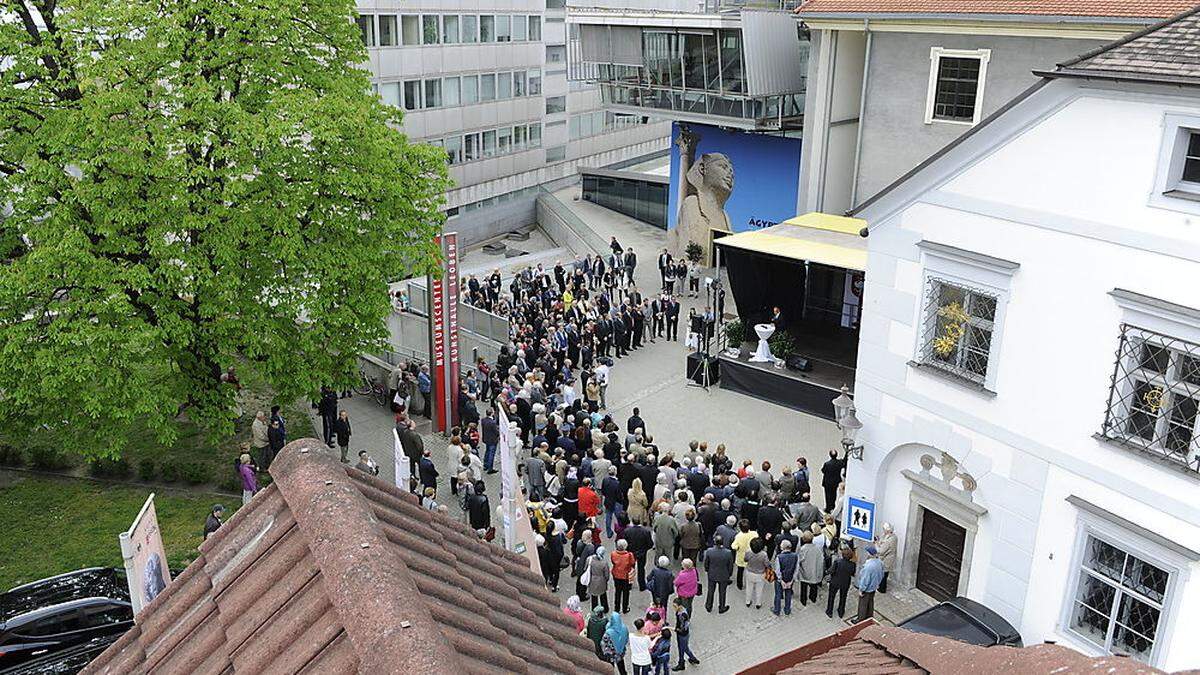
(687,583)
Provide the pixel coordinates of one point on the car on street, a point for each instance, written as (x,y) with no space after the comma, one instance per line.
(964,620)
(79,612)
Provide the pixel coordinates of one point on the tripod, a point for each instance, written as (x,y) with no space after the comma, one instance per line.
(707,328)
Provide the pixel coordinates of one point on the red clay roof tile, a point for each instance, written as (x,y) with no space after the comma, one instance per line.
(331,571)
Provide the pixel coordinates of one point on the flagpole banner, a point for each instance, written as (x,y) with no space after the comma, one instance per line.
(508,463)
(145,558)
(451,330)
(403,475)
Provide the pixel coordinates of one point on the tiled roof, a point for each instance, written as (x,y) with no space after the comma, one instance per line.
(330,570)
(1127,9)
(1166,52)
(895,651)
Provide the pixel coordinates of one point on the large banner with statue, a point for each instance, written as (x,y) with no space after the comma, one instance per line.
(730,181)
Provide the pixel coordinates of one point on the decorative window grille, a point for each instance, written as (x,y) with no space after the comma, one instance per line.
(957,88)
(1155,396)
(959,322)
(1118,601)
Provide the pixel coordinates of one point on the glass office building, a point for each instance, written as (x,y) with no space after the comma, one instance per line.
(637,195)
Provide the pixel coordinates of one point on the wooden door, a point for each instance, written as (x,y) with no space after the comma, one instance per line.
(939,561)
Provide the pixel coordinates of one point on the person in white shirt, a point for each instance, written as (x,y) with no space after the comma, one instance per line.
(601,375)
(639,649)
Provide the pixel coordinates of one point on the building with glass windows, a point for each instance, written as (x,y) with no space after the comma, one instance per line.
(487,81)
(743,68)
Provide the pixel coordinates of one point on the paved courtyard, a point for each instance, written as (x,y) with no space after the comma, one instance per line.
(653,379)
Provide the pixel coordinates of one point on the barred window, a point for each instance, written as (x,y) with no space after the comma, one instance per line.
(957,86)
(958,329)
(1118,601)
(1155,396)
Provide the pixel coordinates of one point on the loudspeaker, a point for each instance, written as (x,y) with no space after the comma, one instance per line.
(696,375)
(797,362)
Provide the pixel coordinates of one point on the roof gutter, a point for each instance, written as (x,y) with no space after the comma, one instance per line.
(1118,76)
(955,16)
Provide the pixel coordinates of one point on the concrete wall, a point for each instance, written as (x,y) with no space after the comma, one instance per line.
(895,137)
(1046,195)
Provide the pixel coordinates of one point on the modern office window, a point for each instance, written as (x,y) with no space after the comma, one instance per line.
(389,93)
(535,29)
(732,79)
(503,28)
(1119,599)
(556,154)
(454,149)
(470,28)
(450,92)
(450,34)
(471,149)
(489,143)
(412,94)
(504,85)
(520,137)
(556,104)
(556,4)
(535,82)
(959,323)
(519,82)
(387,30)
(487,87)
(956,83)
(535,135)
(410,26)
(487,28)
(431,35)
(520,28)
(433,93)
(556,54)
(504,140)
(366,27)
(470,89)
(1154,402)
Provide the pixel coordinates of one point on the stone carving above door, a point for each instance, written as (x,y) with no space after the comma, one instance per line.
(950,473)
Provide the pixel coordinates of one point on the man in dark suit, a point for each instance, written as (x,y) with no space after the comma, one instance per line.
(630,263)
(427,471)
(831,475)
(664,261)
(620,335)
(672,311)
(640,541)
(718,565)
(603,334)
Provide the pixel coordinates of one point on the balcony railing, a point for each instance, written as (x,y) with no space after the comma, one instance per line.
(776,111)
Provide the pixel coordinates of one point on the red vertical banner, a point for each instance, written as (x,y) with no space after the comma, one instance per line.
(437,321)
(450,244)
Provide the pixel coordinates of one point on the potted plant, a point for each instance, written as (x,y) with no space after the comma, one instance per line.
(782,344)
(693,251)
(735,335)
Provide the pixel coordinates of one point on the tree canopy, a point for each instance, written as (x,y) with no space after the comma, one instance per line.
(191,183)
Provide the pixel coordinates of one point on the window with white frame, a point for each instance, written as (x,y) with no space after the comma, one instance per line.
(1154,402)
(387,30)
(431,29)
(366,27)
(535,29)
(450,34)
(956,84)
(470,28)
(958,327)
(410,29)
(1118,599)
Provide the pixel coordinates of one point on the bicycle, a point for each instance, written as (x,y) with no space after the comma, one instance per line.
(369,386)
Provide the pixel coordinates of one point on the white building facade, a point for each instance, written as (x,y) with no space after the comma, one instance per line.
(487,81)
(1029,367)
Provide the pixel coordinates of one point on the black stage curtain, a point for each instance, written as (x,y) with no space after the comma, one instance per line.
(759,282)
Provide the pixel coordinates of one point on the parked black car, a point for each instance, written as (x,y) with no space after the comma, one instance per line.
(80,611)
(964,620)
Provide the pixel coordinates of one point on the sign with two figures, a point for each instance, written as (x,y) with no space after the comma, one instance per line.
(860,518)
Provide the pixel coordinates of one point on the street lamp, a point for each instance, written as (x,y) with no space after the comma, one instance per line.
(848,423)
(842,405)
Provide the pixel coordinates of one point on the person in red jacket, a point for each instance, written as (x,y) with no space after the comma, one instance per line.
(589,501)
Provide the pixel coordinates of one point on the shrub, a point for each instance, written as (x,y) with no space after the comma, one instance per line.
(171,471)
(146,470)
(109,468)
(735,333)
(693,251)
(10,456)
(195,473)
(782,344)
(48,458)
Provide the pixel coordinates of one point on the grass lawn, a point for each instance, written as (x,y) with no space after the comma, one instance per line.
(53,526)
(194,458)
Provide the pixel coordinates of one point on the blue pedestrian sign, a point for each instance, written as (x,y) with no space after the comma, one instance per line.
(860,518)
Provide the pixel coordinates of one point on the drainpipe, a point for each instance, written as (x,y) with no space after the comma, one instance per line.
(862,109)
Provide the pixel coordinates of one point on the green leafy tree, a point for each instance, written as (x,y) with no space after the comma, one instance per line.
(191,183)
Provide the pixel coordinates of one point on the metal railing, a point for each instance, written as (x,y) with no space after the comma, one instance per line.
(489,325)
(774,110)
